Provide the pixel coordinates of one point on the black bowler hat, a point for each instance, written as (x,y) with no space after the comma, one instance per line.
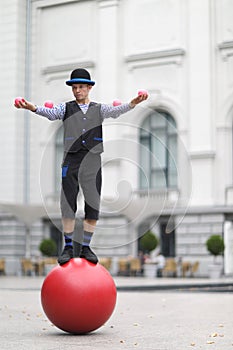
(80,76)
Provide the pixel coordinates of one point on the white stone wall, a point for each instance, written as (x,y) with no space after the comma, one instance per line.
(179,50)
(12,69)
(178,62)
(191,236)
(13,242)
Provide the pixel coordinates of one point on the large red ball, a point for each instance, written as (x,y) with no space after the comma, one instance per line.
(78,297)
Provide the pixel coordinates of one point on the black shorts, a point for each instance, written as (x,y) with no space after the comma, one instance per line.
(81,169)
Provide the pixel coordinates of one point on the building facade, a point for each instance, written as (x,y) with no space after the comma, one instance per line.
(167,164)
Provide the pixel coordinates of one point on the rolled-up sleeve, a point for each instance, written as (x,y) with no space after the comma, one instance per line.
(108,111)
(57,112)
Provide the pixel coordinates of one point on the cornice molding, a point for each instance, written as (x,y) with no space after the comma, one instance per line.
(155,54)
(108,3)
(202,155)
(50,3)
(226,45)
(66,67)
(226,49)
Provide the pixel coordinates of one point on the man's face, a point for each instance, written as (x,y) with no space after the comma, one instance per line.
(81,91)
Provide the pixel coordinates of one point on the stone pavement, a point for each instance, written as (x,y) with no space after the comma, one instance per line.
(153,319)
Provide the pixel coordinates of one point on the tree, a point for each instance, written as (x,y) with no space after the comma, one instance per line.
(48,247)
(148,242)
(215,245)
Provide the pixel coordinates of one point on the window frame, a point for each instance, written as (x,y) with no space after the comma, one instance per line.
(147,133)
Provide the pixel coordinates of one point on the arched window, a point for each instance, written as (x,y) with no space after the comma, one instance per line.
(58,159)
(158,151)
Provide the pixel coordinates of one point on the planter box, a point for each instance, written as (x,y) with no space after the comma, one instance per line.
(150,270)
(48,268)
(215,271)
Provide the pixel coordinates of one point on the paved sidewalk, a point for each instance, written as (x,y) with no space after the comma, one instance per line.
(150,320)
(127,283)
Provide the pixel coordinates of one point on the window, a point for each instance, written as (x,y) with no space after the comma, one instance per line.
(58,159)
(158,151)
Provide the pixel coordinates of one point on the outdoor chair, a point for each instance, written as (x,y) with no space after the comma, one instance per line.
(186,267)
(106,262)
(123,267)
(135,266)
(27,267)
(170,268)
(2,266)
(194,268)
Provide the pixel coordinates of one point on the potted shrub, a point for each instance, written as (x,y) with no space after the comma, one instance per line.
(149,242)
(215,245)
(48,248)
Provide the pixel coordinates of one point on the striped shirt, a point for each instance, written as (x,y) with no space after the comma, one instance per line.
(106,111)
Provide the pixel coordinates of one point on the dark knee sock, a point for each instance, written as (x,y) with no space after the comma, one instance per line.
(68,239)
(87,238)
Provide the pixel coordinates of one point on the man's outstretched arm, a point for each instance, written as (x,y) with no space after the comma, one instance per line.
(57,112)
(109,111)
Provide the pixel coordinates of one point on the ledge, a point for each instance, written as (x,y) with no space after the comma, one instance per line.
(66,67)
(225,45)
(202,154)
(155,54)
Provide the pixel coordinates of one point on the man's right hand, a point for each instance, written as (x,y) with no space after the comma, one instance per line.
(25,105)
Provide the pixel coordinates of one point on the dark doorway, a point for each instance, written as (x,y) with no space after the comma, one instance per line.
(167,240)
(56,235)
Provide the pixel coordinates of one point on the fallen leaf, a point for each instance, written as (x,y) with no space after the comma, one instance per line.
(210,342)
(192,344)
(213,335)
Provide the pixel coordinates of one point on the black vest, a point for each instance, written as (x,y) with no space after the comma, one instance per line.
(82,131)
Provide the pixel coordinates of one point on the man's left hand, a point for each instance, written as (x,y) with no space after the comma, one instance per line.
(138,99)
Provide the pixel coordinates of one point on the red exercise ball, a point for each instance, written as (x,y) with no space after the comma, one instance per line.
(79,296)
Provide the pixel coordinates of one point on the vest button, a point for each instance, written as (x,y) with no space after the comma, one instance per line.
(84,130)
(84,118)
(83,141)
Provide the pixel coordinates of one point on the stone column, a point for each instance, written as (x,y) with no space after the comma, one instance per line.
(108,42)
(200,62)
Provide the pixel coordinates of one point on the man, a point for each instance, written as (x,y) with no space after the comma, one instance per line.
(83,145)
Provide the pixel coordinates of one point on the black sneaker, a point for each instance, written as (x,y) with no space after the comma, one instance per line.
(66,255)
(88,254)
